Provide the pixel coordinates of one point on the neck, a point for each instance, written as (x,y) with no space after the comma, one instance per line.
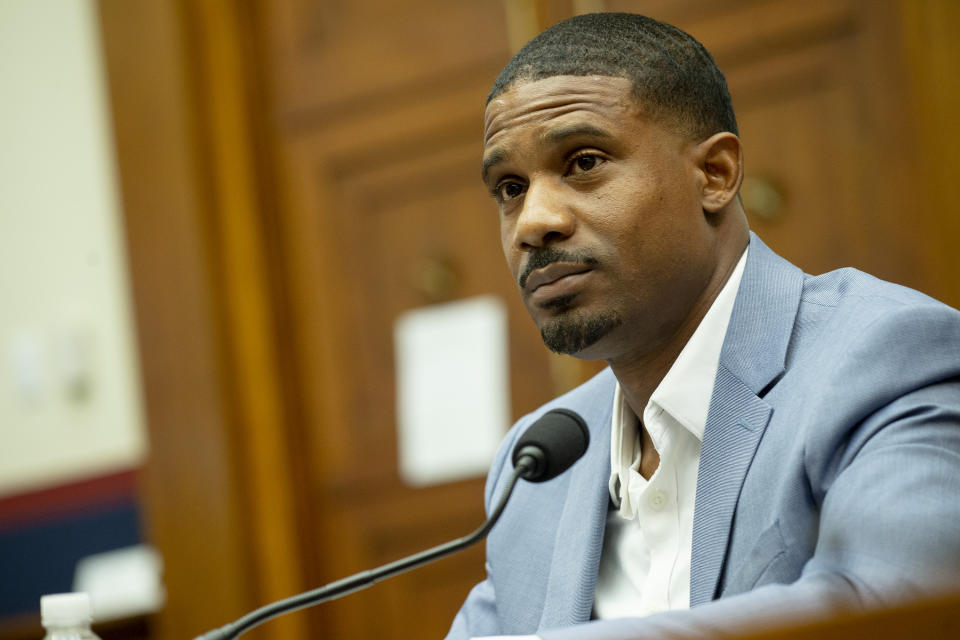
(639,377)
(639,373)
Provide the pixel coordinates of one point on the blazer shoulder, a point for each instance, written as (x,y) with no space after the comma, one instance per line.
(833,288)
(861,343)
(846,308)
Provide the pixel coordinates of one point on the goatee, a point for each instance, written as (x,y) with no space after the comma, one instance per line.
(572,332)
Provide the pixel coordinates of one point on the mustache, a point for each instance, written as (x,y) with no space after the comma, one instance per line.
(540,258)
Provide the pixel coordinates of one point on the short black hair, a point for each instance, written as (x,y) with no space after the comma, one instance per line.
(675,79)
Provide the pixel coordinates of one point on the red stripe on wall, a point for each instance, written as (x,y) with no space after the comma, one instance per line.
(68,499)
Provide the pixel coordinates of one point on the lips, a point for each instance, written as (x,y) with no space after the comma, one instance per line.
(554,276)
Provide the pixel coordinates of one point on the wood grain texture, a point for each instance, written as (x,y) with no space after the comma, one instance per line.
(195,514)
(932,54)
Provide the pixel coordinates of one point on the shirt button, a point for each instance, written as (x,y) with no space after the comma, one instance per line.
(658,500)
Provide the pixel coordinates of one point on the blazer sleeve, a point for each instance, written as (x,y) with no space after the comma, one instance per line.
(478,615)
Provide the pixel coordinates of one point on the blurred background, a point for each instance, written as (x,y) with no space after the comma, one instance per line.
(225,223)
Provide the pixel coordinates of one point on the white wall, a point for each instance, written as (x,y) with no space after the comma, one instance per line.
(69,386)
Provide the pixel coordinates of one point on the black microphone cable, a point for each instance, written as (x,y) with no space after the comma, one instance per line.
(366,578)
(546,449)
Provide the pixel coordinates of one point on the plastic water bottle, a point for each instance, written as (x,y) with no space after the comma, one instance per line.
(66,616)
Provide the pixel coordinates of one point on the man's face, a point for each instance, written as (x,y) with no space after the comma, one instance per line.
(600,215)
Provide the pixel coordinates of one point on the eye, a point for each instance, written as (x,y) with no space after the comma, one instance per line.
(508,190)
(584,162)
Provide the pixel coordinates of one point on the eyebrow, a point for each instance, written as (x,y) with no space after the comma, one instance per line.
(553,136)
(559,134)
(493,158)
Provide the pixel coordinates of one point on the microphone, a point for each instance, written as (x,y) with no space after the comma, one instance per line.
(552,444)
(545,450)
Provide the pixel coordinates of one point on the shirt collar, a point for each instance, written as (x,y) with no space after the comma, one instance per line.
(685,391)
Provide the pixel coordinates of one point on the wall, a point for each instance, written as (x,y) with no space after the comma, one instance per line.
(69,387)
(71,427)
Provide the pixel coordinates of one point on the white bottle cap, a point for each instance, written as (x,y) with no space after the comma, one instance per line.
(63,609)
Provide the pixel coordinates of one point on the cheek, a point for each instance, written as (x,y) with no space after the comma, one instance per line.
(628,213)
(506,245)
(505,235)
(641,226)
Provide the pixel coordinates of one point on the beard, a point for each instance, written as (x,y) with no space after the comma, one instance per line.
(569,331)
(572,332)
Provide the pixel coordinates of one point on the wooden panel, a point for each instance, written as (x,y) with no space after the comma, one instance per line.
(331,56)
(369,528)
(774,25)
(817,99)
(377,195)
(801,132)
(409,210)
(194,514)
(932,51)
(380,173)
(240,253)
(221,499)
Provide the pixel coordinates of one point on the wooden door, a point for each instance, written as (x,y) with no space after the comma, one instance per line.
(377,124)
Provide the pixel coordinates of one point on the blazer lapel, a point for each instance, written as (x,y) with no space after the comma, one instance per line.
(734,428)
(753,356)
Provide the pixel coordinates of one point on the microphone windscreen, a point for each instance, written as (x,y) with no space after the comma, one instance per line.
(563,437)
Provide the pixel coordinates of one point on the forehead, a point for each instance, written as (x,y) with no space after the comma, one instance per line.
(557,100)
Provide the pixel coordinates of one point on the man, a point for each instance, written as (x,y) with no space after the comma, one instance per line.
(764,443)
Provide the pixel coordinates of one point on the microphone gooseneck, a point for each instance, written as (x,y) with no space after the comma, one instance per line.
(545,450)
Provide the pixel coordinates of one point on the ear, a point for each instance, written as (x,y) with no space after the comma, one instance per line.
(720,160)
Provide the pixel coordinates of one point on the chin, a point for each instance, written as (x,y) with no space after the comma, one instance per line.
(578,333)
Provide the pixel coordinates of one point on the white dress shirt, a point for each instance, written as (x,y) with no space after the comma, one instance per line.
(645,564)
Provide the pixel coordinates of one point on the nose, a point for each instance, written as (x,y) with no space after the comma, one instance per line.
(544,218)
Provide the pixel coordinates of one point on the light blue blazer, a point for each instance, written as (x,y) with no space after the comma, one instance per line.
(829,474)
